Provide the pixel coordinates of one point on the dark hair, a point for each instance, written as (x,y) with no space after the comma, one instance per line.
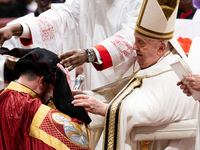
(30,69)
(30,73)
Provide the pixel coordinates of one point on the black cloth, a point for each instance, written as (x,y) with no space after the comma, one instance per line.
(46,62)
(60,92)
(43,60)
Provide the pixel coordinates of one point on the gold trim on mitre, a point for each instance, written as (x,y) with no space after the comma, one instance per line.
(168,7)
(157,19)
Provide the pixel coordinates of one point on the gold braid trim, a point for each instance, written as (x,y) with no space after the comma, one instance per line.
(21,88)
(116,104)
(36,132)
(114,107)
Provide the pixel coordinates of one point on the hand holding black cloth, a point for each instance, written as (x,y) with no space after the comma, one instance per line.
(62,98)
(46,62)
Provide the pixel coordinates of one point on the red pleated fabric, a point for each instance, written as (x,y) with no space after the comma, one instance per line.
(17,110)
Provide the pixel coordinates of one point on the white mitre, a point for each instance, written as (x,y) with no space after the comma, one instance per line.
(157,19)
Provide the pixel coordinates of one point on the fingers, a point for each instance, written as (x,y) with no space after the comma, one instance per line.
(73,58)
(179,83)
(189,94)
(66,55)
(186,91)
(191,83)
(90,104)
(82,101)
(81,96)
(77,92)
(1,41)
(70,63)
(183,86)
(68,60)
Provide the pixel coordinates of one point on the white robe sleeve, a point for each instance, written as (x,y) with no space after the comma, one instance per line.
(56,30)
(52,27)
(117,50)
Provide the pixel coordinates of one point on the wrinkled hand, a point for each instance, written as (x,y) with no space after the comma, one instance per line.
(90,104)
(184,87)
(194,81)
(77,92)
(5,34)
(73,58)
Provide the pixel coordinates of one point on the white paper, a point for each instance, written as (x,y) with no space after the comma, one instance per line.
(182,69)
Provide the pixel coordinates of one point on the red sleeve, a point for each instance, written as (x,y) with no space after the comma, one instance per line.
(26,42)
(105,56)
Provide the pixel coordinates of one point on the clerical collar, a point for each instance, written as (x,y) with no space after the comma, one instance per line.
(187,15)
(21,88)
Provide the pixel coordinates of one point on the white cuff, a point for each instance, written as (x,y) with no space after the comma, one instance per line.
(98,56)
(26,31)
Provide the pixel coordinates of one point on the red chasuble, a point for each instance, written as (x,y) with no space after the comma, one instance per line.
(27,124)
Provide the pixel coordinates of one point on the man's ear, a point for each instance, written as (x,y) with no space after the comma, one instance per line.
(41,83)
(162,48)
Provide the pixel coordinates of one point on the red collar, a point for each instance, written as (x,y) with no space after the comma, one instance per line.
(186,14)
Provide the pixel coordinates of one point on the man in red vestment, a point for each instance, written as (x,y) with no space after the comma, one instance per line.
(25,122)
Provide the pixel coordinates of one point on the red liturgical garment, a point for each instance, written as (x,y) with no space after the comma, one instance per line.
(27,124)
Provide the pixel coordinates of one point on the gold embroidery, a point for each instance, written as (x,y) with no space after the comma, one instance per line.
(145,145)
(120,98)
(168,7)
(149,33)
(21,88)
(114,105)
(40,134)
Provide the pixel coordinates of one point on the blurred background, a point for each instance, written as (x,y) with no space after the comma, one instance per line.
(16,8)
(13,9)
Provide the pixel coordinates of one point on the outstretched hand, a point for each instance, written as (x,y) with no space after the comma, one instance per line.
(90,104)
(5,34)
(73,58)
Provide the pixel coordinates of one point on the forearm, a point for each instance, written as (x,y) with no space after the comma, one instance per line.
(16,29)
(7,32)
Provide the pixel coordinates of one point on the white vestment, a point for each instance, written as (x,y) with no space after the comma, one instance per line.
(14,42)
(10,44)
(194,61)
(158,100)
(188,28)
(83,24)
